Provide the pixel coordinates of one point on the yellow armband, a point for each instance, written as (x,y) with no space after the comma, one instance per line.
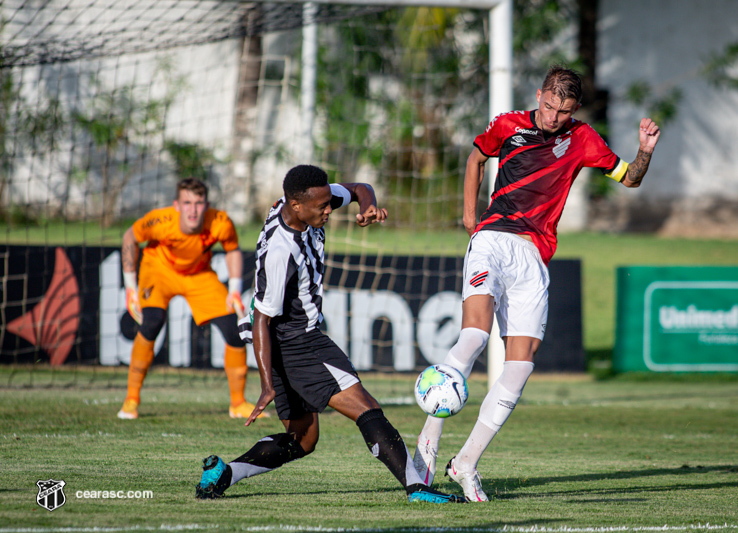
(618,173)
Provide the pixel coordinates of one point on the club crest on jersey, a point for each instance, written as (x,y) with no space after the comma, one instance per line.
(561,146)
(50,494)
(478,279)
(147,292)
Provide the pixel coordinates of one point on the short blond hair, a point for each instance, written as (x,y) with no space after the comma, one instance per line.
(564,83)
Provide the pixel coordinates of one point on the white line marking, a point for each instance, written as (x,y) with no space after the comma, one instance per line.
(506,529)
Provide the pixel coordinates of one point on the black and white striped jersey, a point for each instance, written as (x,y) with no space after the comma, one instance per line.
(288,282)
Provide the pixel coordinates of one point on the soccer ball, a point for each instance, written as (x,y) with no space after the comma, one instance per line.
(441,391)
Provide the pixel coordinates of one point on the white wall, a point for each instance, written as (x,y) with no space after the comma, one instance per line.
(665,43)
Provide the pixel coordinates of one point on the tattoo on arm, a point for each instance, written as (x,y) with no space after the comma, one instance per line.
(129,256)
(638,168)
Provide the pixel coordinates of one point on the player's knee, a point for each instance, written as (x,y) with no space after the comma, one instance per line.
(228,326)
(470,345)
(153,321)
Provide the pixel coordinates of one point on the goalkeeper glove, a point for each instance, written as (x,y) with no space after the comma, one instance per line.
(233,301)
(132,304)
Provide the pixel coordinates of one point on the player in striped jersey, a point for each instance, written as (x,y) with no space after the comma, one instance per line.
(302,370)
(505,269)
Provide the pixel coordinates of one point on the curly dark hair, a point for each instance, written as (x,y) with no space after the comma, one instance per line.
(301,178)
(564,83)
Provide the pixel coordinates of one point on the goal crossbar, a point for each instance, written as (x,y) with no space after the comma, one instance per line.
(462,4)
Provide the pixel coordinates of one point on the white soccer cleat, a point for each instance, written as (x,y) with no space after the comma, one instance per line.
(129,411)
(425,459)
(471,482)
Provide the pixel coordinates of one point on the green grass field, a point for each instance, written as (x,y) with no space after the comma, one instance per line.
(577,455)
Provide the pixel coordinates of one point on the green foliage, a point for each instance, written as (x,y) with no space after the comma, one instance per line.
(538,21)
(25,127)
(662,108)
(120,122)
(389,109)
(720,69)
(191,160)
(537,27)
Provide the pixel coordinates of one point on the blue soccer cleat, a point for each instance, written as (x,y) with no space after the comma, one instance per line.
(423,493)
(216,478)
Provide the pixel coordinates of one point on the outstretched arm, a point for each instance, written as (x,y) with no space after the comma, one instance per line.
(369,213)
(129,258)
(472,182)
(263,352)
(648,136)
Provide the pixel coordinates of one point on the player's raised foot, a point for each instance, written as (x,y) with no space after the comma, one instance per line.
(471,482)
(425,459)
(244,410)
(423,493)
(129,411)
(216,478)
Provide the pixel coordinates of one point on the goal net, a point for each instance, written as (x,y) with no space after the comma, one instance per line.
(105,104)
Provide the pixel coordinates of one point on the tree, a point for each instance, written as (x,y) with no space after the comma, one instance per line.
(119,123)
(407,91)
(25,129)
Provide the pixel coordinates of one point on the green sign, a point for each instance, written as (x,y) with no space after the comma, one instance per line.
(677,319)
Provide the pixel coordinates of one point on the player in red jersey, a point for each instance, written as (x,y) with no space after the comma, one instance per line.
(505,269)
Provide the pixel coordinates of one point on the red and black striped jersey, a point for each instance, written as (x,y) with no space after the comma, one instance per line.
(536,172)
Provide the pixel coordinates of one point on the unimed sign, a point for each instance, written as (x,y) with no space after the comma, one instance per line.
(677,319)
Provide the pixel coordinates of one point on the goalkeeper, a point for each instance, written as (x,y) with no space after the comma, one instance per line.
(176,261)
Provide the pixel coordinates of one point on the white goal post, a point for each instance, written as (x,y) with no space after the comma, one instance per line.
(500,94)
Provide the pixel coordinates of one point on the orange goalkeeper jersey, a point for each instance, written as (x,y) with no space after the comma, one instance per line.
(184,254)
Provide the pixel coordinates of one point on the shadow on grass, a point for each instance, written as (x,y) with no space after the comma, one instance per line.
(503,487)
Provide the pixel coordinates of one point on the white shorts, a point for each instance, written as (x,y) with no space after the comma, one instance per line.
(510,269)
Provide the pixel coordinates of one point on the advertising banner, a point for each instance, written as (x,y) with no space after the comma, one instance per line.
(677,319)
(391,313)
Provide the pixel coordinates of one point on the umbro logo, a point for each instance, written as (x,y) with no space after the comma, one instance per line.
(508,404)
(561,147)
(518,140)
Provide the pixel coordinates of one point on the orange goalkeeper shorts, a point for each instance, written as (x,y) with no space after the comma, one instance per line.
(204,292)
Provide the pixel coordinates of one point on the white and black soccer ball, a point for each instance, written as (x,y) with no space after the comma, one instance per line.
(441,391)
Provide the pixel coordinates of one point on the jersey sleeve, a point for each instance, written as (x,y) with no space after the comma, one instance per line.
(490,142)
(225,231)
(599,155)
(271,284)
(341,196)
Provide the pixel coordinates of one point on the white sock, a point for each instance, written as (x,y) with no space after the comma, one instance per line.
(411,475)
(240,471)
(496,409)
(461,356)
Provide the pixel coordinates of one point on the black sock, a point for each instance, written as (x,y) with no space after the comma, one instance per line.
(385,443)
(269,453)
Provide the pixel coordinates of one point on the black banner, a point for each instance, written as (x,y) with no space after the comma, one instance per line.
(67,306)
